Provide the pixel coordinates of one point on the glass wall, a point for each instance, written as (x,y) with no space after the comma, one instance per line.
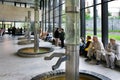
(55,14)
(114,19)
(113,15)
(92,23)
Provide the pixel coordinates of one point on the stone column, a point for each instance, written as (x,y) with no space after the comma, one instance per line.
(25,26)
(72,39)
(36,26)
(29,24)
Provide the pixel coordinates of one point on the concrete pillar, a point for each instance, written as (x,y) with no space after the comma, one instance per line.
(104,22)
(36,27)
(72,39)
(29,24)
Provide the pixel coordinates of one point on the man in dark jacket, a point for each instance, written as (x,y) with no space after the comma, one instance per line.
(56,35)
(62,37)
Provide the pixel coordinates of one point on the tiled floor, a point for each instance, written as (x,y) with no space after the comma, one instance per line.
(13,67)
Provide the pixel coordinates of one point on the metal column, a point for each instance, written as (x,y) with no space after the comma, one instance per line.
(104,22)
(95,17)
(41,16)
(72,39)
(49,10)
(60,13)
(82,19)
(54,3)
(45,14)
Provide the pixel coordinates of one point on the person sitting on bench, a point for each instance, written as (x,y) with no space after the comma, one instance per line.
(112,52)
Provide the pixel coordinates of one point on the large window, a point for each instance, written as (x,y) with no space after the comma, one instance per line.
(55,14)
(113,14)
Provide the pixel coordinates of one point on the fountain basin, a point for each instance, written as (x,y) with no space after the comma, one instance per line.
(60,75)
(25,41)
(22,38)
(29,51)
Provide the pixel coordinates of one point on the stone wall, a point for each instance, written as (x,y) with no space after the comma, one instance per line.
(12,13)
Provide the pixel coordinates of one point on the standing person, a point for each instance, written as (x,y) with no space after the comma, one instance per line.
(96,49)
(9,31)
(112,52)
(56,35)
(21,30)
(62,37)
(13,31)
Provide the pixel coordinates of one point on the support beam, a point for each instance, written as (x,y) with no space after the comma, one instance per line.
(104,22)
(45,14)
(49,10)
(54,3)
(95,17)
(82,17)
(60,13)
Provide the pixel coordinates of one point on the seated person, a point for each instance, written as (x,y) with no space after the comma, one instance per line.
(96,49)
(112,52)
(87,46)
(48,37)
(82,46)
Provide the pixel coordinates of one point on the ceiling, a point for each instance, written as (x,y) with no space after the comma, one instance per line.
(20,1)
